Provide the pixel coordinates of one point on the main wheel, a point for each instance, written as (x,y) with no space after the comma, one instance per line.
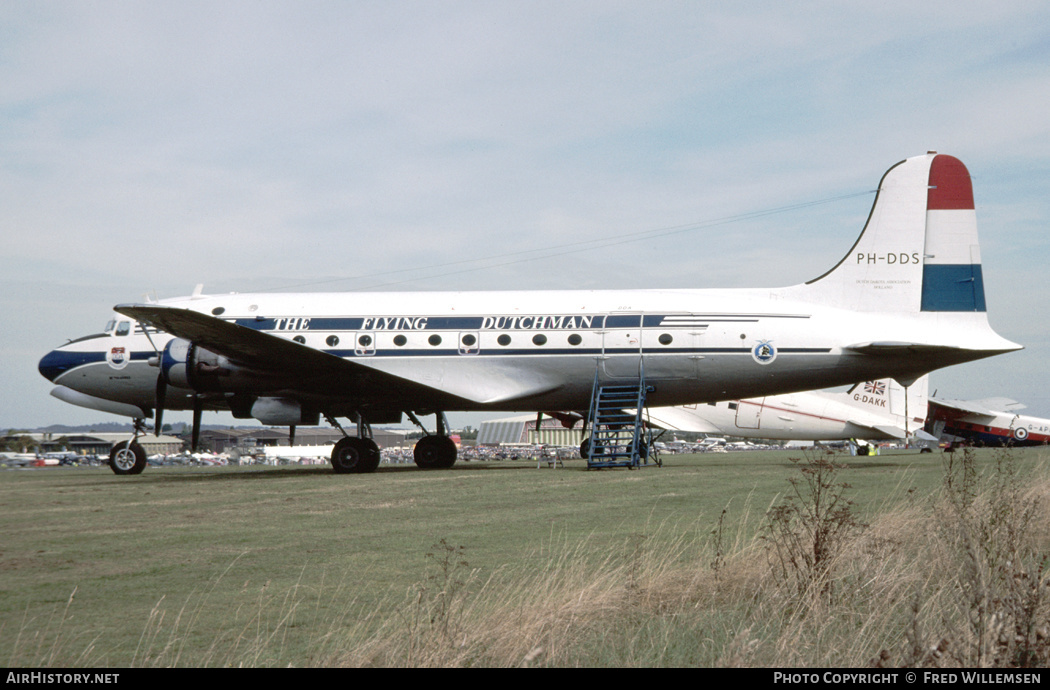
(596,450)
(372,456)
(355,455)
(127,457)
(435,453)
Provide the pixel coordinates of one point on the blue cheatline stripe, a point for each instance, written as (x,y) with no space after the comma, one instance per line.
(496,322)
(952,287)
(549,351)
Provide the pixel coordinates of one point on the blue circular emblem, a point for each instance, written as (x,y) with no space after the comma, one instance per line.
(764,352)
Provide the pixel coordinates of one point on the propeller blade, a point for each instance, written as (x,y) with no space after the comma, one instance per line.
(291,435)
(196,433)
(162,393)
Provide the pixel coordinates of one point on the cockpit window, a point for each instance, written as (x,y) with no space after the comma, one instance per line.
(110,326)
(123,328)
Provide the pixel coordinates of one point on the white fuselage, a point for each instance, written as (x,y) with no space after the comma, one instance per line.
(906,299)
(542,350)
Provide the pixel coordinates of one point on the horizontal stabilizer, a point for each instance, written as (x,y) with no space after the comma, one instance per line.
(884,430)
(890,430)
(887,347)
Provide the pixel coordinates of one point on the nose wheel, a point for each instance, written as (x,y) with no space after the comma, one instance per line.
(127,457)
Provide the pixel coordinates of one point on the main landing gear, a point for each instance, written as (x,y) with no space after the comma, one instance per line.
(354,454)
(360,454)
(434,451)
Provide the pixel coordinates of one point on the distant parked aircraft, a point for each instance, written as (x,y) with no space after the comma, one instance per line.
(988,422)
(872,410)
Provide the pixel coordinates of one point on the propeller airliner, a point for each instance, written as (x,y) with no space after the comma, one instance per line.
(906,299)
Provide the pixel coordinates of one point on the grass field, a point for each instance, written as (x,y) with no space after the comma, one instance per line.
(496,564)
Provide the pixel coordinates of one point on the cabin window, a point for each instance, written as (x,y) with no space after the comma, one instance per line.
(217,311)
(469,340)
(299,339)
(575,339)
(434,340)
(503,340)
(665,339)
(539,339)
(332,340)
(400,340)
(732,406)
(364,341)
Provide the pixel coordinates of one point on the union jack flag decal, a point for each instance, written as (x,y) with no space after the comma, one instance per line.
(876,387)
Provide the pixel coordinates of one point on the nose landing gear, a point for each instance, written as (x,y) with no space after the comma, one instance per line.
(129,457)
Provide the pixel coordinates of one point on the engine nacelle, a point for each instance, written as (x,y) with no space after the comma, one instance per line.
(283,412)
(174,362)
(187,365)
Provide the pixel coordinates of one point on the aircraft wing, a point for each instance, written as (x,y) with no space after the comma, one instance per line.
(240,344)
(988,408)
(680,419)
(272,354)
(1002,405)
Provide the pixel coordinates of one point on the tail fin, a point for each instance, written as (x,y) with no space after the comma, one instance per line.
(904,408)
(918,250)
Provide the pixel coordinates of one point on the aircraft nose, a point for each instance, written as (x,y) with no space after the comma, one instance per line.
(56,363)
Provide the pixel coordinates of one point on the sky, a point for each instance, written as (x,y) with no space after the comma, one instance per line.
(356,146)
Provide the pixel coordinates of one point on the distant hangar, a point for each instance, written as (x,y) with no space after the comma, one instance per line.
(522,430)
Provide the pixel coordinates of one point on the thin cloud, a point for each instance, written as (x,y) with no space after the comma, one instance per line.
(151,147)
